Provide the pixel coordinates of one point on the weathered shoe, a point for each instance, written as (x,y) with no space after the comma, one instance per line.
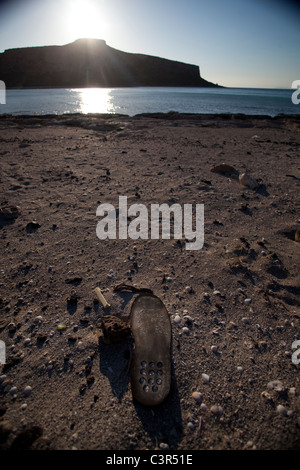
(151,362)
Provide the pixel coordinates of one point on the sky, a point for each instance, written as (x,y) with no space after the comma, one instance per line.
(236,43)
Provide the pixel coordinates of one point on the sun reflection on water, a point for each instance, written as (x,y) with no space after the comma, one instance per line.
(95,100)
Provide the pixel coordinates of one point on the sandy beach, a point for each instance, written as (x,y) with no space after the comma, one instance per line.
(233,304)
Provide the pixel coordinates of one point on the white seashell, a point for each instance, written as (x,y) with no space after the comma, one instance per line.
(206,378)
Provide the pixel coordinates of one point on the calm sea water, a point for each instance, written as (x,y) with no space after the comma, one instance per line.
(133,101)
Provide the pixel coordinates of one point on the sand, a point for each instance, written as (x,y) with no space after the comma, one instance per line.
(237,297)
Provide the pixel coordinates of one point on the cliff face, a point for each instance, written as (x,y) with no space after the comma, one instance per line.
(91,63)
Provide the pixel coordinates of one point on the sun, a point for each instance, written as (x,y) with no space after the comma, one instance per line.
(86,20)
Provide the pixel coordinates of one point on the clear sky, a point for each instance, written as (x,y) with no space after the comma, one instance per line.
(238,43)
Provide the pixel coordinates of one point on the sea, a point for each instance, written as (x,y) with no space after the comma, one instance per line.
(133,101)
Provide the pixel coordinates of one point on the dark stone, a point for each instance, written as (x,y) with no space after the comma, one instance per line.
(26,438)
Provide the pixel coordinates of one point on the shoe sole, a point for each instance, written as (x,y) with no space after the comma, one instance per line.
(151,362)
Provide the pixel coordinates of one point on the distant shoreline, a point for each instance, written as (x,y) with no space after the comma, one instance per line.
(171,115)
(113,87)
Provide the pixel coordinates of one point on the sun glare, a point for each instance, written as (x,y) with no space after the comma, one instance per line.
(86,20)
(95,100)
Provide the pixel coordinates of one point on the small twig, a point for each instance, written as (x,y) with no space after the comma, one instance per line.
(200,425)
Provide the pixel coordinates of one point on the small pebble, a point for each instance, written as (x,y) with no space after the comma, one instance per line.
(190,425)
(177,319)
(38,319)
(276,385)
(185,330)
(239,369)
(27,390)
(281,410)
(248,301)
(216,292)
(23,406)
(205,377)
(203,407)
(12,326)
(214,348)
(266,396)
(163,446)
(197,396)
(27,341)
(216,410)
(188,319)
(13,390)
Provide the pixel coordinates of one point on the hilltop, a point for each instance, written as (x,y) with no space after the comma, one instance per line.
(92,63)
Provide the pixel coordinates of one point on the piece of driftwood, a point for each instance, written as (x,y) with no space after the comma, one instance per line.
(101,297)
